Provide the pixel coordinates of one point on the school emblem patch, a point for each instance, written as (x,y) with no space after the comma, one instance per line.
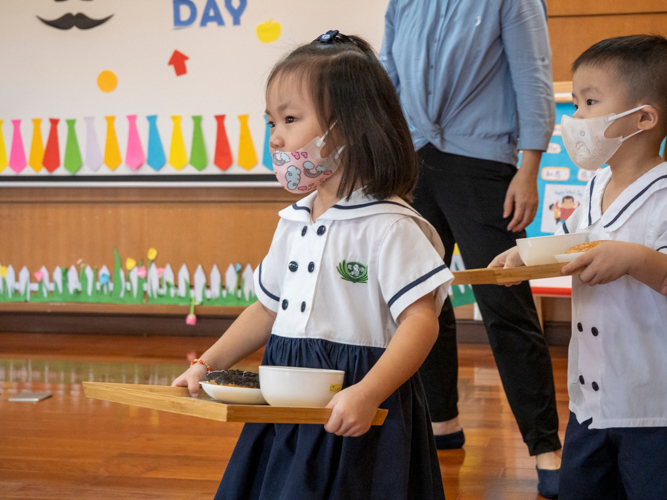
(353,271)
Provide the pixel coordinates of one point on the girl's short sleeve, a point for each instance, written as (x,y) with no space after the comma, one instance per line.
(409,267)
(268,276)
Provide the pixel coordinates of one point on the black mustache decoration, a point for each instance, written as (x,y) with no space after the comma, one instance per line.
(68,21)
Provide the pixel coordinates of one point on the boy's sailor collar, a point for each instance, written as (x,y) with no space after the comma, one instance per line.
(629,201)
(358,205)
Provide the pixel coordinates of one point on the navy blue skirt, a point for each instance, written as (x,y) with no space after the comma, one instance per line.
(397,460)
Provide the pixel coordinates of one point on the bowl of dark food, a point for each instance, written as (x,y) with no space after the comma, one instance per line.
(299,387)
(233,386)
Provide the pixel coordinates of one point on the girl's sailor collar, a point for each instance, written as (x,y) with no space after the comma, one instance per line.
(357,205)
(629,201)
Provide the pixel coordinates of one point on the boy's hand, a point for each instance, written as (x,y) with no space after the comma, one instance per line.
(606,262)
(508,259)
(190,378)
(353,412)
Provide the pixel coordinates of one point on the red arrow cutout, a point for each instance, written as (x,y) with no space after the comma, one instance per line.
(178,62)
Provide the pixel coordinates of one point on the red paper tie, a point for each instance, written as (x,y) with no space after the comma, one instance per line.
(52,152)
(223,154)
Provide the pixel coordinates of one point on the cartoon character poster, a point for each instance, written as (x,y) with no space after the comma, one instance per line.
(152,90)
(558,204)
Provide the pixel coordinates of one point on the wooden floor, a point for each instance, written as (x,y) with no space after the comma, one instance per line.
(72,447)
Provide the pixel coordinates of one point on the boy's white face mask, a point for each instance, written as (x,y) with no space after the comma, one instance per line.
(585,141)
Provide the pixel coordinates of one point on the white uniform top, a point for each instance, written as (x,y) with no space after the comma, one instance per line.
(617,364)
(348,276)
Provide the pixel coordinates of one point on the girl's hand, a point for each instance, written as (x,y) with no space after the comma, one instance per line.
(353,412)
(606,262)
(190,378)
(508,259)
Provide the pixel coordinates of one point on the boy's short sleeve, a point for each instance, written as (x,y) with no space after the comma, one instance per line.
(661,232)
(409,267)
(267,276)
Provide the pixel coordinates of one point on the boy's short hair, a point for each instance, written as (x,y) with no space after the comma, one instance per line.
(568,197)
(640,62)
(350,88)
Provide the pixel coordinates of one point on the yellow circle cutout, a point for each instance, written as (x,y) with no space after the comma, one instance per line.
(107,81)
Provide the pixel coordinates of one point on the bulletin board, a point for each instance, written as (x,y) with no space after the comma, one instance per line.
(150,92)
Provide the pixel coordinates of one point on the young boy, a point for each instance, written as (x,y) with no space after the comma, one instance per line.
(616,439)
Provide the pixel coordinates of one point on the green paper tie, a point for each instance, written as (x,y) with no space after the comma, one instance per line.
(73,162)
(198,151)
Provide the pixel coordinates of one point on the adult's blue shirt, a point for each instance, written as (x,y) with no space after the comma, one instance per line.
(473,76)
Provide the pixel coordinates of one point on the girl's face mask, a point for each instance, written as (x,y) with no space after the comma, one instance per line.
(303,170)
(585,141)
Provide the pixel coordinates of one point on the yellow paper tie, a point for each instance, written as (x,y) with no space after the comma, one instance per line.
(247,156)
(112,157)
(4,162)
(178,157)
(37,146)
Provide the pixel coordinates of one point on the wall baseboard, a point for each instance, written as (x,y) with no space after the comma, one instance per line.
(468,331)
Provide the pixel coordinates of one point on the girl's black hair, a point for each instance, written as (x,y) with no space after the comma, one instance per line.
(349,87)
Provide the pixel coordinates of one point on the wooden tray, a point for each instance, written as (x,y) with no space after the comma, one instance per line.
(178,400)
(498,275)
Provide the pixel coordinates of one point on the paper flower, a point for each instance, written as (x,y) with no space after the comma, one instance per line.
(38,276)
(160,272)
(141,272)
(152,254)
(104,278)
(130,263)
(191,319)
(3,271)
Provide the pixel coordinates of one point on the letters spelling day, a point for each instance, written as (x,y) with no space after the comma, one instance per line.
(185,12)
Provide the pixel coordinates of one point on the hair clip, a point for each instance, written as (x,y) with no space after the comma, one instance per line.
(327,37)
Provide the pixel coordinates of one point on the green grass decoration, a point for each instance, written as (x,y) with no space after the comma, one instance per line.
(110,292)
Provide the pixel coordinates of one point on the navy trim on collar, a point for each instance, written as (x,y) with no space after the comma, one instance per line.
(590,201)
(639,195)
(364,205)
(416,282)
(661,248)
(261,285)
(297,207)
(567,231)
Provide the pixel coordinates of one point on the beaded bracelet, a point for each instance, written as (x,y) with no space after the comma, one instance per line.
(202,362)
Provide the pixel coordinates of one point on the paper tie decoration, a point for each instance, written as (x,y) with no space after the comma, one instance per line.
(52,152)
(134,156)
(178,157)
(94,158)
(17,161)
(223,153)
(247,155)
(4,163)
(72,162)
(156,159)
(112,157)
(267,160)
(198,151)
(37,146)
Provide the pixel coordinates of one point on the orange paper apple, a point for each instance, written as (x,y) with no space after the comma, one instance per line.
(269,31)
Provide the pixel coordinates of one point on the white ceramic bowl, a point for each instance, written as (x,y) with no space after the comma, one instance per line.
(543,249)
(300,387)
(239,395)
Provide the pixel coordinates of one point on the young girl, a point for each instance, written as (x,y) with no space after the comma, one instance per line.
(353,281)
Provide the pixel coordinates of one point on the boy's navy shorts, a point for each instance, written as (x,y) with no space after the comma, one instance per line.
(613,464)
